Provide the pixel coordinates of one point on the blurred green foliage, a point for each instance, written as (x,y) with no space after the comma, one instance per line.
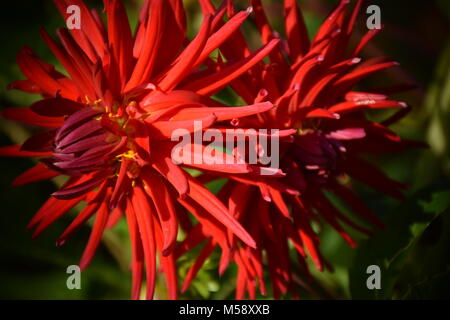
(412,251)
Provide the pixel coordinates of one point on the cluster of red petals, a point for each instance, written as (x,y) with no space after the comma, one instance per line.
(108,125)
(310,81)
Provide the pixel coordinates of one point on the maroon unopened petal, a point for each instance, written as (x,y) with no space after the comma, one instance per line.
(82,188)
(76,120)
(42,142)
(95,139)
(27,116)
(56,107)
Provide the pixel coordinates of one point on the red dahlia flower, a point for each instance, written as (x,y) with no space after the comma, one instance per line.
(109,125)
(311,83)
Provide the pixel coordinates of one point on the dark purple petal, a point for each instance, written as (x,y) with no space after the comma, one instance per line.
(80,132)
(84,144)
(42,142)
(82,188)
(75,120)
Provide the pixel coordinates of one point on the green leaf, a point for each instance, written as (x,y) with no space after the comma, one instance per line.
(392,249)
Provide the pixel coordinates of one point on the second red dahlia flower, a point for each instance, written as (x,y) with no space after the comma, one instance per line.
(311,82)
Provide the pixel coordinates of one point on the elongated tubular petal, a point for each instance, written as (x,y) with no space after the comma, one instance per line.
(322,113)
(24,85)
(297,34)
(152,40)
(27,116)
(51,202)
(79,78)
(300,76)
(372,129)
(276,267)
(175,30)
(306,233)
(170,272)
(38,173)
(312,248)
(157,190)
(34,70)
(238,198)
(348,134)
(218,162)
(137,254)
(41,142)
(54,212)
(120,38)
(139,37)
(351,106)
(349,80)
(163,130)
(351,20)
(242,257)
(121,184)
(81,218)
(98,20)
(144,217)
(333,212)
(56,107)
(207,200)
(364,171)
(192,239)
(312,96)
(96,235)
(241,283)
(195,268)
(90,35)
(356,96)
(167,264)
(174,174)
(222,114)
(261,21)
(84,215)
(279,134)
(156,101)
(179,14)
(257,181)
(365,40)
(42,212)
(207,6)
(142,139)
(346,23)
(208,226)
(78,59)
(397,117)
(256,261)
(115,216)
(356,204)
(279,202)
(82,188)
(215,82)
(186,61)
(331,21)
(166,114)
(221,35)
